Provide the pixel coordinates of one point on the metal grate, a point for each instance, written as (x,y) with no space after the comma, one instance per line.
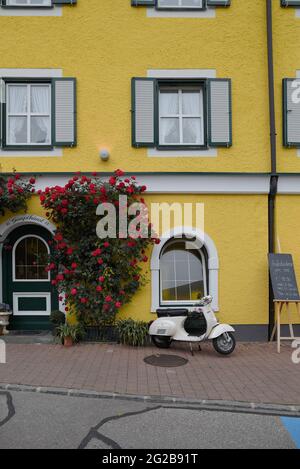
(166,361)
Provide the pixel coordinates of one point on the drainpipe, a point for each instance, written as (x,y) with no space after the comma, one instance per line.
(273,175)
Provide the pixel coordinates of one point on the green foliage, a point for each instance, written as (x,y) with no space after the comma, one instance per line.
(98,276)
(132,332)
(57,317)
(14,193)
(75,331)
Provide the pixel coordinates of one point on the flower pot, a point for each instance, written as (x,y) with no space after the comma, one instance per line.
(68,342)
(4,321)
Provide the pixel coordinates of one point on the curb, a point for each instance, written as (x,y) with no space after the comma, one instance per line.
(213,405)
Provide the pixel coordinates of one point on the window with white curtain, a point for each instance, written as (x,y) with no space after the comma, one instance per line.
(182,273)
(32,3)
(28,114)
(181,116)
(180,4)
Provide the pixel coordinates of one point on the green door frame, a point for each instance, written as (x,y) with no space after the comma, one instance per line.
(30,322)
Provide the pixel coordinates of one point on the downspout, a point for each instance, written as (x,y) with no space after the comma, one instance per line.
(273,175)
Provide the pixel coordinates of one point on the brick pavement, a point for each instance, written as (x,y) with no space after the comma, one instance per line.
(254,373)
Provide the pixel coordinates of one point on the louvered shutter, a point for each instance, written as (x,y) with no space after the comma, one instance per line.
(136,3)
(64,2)
(64,112)
(218,3)
(291,112)
(219,112)
(290,3)
(143,112)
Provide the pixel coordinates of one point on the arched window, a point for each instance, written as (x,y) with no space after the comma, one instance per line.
(30,259)
(183,276)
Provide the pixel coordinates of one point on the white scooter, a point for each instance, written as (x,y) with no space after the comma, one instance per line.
(192,325)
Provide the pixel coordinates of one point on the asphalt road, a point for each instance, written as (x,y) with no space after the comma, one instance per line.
(33,420)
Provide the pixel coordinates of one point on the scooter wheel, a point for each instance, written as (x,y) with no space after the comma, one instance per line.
(225,343)
(161,342)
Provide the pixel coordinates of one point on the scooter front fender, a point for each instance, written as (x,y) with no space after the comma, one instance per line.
(219,330)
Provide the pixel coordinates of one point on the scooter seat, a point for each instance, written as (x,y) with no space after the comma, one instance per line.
(162,313)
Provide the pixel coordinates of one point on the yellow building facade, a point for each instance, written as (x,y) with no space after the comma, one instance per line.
(176,93)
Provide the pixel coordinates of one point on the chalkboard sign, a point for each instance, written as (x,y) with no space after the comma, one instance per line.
(283,277)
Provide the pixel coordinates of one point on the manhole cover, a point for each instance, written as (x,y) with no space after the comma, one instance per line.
(165,360)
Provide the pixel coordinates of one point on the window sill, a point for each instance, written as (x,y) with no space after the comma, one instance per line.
(27,148)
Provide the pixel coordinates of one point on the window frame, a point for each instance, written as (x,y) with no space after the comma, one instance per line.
(7,5)
(180,8)
(204,260)
(14,259)
(181,83)
(29,146)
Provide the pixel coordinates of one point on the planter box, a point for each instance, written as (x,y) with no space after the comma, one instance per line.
(101,334)
(4,321)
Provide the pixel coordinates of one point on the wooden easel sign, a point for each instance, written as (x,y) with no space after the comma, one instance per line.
(285,291)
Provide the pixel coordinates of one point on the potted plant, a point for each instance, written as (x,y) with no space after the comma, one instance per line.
(132,332)
(57,318)
(5,313)
(69,333)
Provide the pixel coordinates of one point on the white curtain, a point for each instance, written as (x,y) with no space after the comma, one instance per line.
(169,127)
(17,104)
(40,125)
(191,106)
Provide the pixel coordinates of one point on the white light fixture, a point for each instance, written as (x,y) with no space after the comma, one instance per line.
(104,154)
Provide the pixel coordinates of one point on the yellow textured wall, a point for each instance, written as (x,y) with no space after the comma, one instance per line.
(287,62)
(238,227)
(287,223)
(105,43)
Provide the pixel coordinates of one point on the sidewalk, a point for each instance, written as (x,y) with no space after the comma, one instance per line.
(254,373)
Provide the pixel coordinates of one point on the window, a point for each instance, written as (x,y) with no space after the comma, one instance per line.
(31,3)
(170,114)
(38,113)
(28,114)
(30,259)
(181,116)
(182,273)
(182,4)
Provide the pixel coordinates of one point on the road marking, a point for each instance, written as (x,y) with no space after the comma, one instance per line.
(293,427)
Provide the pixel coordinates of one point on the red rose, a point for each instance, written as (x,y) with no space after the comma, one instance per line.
(64,202)
(99,288)
(69,251)
(106,244)
(100,261)
(119,172)
(59,277)
(118,304)
(74,291)
(145,259)
(83,300)
(74,265)
(108,299)
(32,180)
(101,279)
(143,188)
(42,198)
(64,211)
(112,181)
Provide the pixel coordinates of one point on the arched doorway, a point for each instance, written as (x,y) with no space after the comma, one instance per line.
(26,284)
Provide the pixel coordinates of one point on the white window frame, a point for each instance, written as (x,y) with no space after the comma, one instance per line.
(17,295)
(182,302)
(14,3)
(180,116)
(14,259)
(179,6)
(28,114)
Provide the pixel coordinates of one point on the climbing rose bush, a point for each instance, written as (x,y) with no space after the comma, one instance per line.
(98,276)
(14,193)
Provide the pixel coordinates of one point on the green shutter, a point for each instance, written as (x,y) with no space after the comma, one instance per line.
(143,111)
(291,112)
(219,112)
(218,3)
(64,112)
(64,2)
(137,3)
(290,3)
(2,101)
